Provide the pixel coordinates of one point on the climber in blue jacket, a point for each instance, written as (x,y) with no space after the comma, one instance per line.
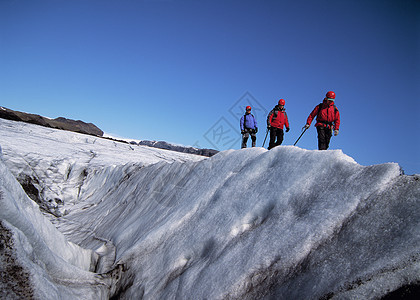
(249,126)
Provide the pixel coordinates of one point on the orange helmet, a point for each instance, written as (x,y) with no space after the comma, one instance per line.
(248,107)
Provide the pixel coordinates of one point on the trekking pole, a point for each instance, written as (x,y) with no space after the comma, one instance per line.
(300,137)
(265,137)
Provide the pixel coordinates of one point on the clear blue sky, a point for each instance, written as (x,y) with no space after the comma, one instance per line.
(183,71)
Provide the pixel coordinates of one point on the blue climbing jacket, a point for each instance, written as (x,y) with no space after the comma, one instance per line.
(250,122)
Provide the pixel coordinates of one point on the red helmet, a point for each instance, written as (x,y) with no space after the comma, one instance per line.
(330,95)
(248,107)
(282,102)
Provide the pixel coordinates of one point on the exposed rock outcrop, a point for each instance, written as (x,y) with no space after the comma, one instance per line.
(58,123)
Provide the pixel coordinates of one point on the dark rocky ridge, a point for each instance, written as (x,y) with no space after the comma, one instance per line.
(91,129)
(58,123)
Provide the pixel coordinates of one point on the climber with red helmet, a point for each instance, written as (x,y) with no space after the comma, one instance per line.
(327,120)
(249,126)
(276,120)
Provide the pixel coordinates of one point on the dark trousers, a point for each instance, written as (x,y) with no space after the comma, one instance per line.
(245,137)
(324,137)
(275,133)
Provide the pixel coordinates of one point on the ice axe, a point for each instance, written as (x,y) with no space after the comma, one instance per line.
(265,137)
(306,128)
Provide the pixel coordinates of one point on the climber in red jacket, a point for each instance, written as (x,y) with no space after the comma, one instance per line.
(276,121)
(327,120)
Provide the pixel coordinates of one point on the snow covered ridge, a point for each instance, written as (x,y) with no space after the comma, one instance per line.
(91,129)
(52,165)
(247,224)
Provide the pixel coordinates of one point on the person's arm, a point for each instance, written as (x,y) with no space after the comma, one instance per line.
(269,117)
(337,120)
(312,115)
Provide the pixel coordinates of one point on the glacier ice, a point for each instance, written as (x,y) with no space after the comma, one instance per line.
(287,223)
(47,259)
(52,165)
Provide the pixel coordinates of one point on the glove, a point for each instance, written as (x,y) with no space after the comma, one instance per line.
(306,126)
(242,131)
(256,129)
(287,129)
(335,132)
(268,127)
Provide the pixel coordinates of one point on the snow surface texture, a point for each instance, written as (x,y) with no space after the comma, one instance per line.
(247,224)
(52,165)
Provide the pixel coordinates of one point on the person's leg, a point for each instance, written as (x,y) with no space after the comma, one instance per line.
(328,135)
(245,137)
(272,138)
(280,135)
(322,138)
(254,139)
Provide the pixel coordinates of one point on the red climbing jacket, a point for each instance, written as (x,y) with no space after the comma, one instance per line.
(326,114)
(277,118)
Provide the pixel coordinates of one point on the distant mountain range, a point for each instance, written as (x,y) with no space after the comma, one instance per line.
(184,149)
(91,129)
